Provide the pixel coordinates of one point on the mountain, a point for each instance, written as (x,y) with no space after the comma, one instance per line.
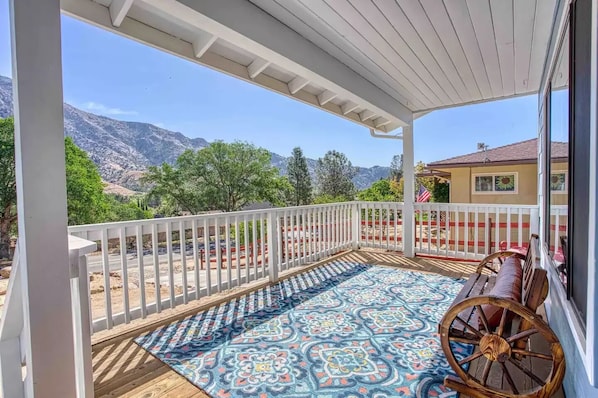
(123,150)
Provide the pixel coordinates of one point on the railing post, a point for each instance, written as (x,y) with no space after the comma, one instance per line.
(356,225)
(273,230)
(82,325)
(534,222)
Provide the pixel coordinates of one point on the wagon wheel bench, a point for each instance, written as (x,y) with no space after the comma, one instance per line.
(493,318)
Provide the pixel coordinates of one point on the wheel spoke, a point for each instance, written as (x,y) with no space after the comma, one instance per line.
(468,326)
(470,358)
(486,372)
(503,321)
(522,335)
(483,317)
(531,354)
(509,378)
(527,371)
(464,340)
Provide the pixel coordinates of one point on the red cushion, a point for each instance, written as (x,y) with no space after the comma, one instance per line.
(508,285)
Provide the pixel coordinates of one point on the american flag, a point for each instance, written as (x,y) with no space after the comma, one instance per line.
(423,195)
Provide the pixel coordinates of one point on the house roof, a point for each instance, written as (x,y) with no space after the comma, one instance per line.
(519,152)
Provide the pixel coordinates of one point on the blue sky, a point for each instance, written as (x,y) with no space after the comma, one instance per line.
(110,75)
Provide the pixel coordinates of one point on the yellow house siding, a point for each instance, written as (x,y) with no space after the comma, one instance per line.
(527,185)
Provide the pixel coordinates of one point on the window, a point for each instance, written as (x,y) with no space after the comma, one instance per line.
(558,166)
(558,182)
(567,159)
(495,183)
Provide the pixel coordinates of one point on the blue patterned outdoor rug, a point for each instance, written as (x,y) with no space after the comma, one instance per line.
(341,330)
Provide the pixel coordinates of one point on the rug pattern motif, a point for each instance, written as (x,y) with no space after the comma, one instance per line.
(341,330)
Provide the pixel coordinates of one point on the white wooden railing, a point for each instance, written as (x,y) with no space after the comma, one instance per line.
(143,267)
(14,333)
(472,231)
(381,225)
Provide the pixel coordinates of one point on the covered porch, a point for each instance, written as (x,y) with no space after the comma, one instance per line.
(380,64)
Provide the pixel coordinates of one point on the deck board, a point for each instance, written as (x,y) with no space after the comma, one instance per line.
(123,369)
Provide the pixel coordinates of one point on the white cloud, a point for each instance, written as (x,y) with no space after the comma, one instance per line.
(161,125)
(106,110)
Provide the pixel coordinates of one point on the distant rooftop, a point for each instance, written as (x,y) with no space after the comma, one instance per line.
(519,152)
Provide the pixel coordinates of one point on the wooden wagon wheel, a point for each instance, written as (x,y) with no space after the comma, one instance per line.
(493,262)
(496,348)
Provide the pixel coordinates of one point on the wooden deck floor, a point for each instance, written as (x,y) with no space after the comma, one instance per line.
(123,369)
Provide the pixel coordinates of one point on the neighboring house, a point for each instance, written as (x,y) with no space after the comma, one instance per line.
(503,175)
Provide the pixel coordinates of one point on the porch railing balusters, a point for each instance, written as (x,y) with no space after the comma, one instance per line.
(218,253)
(196,259)
(124,272)
(183,257)
(292,237)
(141,267)
(229,276)
(106,269)
(170,263)
(238,251)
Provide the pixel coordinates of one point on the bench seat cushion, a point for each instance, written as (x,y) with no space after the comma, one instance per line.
(508,285)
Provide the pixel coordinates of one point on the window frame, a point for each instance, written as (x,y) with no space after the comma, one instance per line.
(494,175)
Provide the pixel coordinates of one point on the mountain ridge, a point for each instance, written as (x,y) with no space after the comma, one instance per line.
(123,150)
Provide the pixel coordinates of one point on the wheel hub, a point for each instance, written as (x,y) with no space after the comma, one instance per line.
(495,348)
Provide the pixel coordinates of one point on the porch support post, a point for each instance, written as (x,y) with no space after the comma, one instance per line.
(41,188)
(273,235)
(408,192)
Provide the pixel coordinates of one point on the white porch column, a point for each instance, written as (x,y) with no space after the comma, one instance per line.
(408,192)
(41,187)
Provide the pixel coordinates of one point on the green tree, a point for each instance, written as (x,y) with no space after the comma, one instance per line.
(86,201)
(334,174)
(379,191)
(8,185)
(124,209)
(396,168)
(221,176)
(326,198)
(299,178)
(172,188)
(440,191)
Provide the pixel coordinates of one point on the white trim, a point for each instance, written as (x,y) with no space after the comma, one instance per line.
(202,44)
(592,319)
(256,67)
(297,84)
(326,96)
(559,25)
(493,192)
(558,290)
(348,107)
(119,10)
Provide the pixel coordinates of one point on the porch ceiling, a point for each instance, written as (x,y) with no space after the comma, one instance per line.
(375,62)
